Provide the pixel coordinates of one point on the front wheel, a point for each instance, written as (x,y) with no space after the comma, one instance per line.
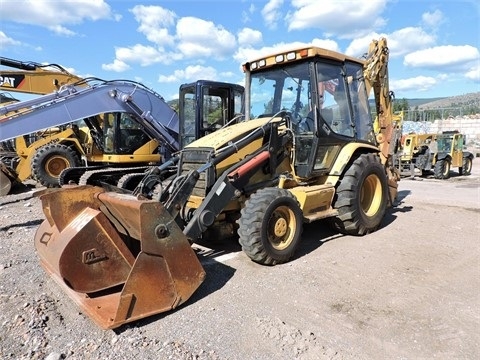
(362,196)
(442,169)
(466,168)
(50,161)
(270,226)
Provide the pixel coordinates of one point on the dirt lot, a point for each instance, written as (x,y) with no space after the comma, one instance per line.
(408,291)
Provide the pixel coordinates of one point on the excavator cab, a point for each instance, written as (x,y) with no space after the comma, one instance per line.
(122,134)
(206,106)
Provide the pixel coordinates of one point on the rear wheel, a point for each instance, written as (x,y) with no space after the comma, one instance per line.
(442,169)
(362,197)
(50,161)
(270,226)
(5,183)
(466,168)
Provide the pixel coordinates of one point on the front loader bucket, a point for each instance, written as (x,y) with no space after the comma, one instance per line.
(119,258)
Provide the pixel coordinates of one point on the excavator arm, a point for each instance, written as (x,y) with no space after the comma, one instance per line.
(34,78)
(387,126)
(72,103)
(376,76)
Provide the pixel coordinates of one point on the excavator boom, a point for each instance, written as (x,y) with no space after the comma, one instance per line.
(34,78)
(72,103)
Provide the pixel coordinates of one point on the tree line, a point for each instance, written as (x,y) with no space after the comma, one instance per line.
(417,114)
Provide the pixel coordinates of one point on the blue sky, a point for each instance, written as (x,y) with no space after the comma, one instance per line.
(434,44)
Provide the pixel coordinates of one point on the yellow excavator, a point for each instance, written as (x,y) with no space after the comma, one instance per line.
(306,148)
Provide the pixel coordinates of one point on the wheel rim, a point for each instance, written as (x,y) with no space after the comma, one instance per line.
(55,165)
(446,168)
(280,230)
(371,195)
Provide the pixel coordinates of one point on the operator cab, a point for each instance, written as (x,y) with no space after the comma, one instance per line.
(327,102)
(118,133)
(206,106)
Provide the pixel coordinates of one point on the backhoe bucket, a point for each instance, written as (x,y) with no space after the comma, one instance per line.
(119,258)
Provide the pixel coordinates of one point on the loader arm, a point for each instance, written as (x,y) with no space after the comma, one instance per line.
(233,182)
(72,103)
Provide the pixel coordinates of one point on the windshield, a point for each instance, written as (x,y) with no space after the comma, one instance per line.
(280,89)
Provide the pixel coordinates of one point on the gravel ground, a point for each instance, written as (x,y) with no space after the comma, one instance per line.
(408,291)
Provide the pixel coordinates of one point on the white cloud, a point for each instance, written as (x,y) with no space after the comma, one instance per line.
(455,58)
(326,44)
(7,41)
(139,54)
(271,13)
(474,73)
(399,42)
(200,38)
(249,37)
(345,19)
(55,15)
(419,83)
(117,66)
(154,23)
(191,73)
(433,19)
(61,30)
(195,39)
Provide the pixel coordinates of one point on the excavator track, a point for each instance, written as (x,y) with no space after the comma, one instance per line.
(108,175)
(72,175)
(130,181)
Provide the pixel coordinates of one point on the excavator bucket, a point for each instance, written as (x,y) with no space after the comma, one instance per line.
(118,257)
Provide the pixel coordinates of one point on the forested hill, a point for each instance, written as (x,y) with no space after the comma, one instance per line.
(460,101)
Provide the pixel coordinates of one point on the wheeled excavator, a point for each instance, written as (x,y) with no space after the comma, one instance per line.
(306,148)
(78,152)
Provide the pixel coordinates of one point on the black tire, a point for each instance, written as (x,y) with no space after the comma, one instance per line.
(442,169)
(50,160)
(362,197)
(466,168)
(270,226)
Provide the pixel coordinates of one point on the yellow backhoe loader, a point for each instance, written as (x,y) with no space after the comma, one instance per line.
(306,148)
